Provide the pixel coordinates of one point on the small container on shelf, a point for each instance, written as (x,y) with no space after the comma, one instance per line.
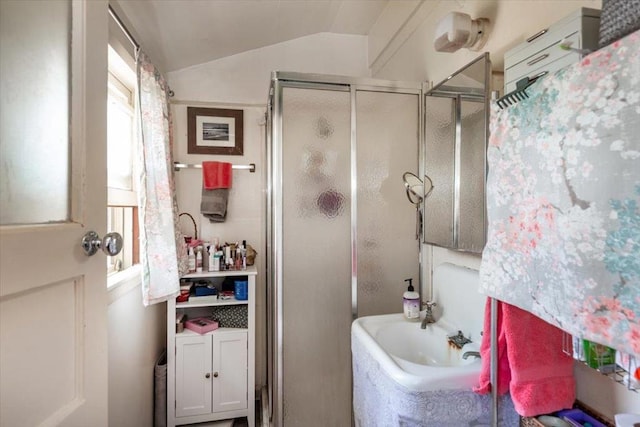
(201,325)
(180,319)
(631,370)
(579,418)
(226,295)
(599,356)
(204,288)
(241,291)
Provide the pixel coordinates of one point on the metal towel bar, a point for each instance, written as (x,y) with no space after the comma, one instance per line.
(251,167)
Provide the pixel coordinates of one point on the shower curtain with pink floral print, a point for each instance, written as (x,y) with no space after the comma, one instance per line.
(563,199)
(162,250)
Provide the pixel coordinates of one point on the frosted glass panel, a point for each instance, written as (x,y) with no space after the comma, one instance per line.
(471,228)
(387,146)
(316,289)
(439,166)
(34,111)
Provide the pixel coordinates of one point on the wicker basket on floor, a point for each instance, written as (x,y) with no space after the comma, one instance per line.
(530,422)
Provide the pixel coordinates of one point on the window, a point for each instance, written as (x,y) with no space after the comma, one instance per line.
(122,204)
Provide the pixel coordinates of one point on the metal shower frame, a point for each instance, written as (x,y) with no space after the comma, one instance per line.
(280,80)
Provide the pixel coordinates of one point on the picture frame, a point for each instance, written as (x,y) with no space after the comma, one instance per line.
(214,131)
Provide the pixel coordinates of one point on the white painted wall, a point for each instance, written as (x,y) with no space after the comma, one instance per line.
(245,209)
(137,336)
(408,54)
(242,82)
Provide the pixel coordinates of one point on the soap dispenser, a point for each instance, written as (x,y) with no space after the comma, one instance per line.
(411,303)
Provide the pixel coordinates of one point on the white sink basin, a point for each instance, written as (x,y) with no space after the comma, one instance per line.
(407,342)
(419,359)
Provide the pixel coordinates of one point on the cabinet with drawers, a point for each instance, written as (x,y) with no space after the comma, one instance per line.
(541,53)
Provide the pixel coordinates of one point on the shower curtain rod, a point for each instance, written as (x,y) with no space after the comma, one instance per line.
(251,167)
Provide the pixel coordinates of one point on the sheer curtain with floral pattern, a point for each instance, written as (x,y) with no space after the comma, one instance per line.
(162,251)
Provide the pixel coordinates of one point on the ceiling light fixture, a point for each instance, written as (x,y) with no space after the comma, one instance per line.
(457,30)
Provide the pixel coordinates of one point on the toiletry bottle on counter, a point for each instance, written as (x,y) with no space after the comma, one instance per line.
(192,261)
(411,302)
(211,259)
(199,259)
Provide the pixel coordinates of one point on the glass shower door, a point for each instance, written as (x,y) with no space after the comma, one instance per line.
(387,145)
(316,257)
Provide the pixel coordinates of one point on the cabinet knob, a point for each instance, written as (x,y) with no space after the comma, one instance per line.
(208,375)
(215,374)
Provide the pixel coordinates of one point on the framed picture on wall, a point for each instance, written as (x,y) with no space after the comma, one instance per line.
(214,131)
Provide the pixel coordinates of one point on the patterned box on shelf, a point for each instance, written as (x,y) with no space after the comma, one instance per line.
(231,316)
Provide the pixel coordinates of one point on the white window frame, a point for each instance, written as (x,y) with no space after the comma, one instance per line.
(122,203)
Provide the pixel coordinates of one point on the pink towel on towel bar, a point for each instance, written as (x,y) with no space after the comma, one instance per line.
(531,356)
(216,175)
(504,373)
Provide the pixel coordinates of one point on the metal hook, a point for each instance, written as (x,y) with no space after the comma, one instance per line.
(520,93)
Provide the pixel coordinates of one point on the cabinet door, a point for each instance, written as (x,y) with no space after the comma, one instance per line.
(230,365)
(193,375)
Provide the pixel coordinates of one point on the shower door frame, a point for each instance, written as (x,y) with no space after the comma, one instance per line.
(274,219)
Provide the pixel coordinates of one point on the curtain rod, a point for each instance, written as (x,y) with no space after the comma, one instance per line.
(126,32)
(133,41)
(251,167)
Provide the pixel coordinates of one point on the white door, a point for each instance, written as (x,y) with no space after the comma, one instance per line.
(229,371)
(193,375)
(53,301)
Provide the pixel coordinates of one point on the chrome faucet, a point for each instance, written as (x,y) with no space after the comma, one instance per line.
(458,340)
(428,316)
(468,354)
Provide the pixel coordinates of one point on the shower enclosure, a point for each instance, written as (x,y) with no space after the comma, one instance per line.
(340,233)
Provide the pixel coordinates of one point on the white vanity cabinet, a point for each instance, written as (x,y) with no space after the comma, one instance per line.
(541,53)
(211,372)
(211,376)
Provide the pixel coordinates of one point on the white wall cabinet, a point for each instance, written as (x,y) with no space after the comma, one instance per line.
(541,54)
(211,376)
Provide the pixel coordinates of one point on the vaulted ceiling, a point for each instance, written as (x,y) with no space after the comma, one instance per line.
(182,33)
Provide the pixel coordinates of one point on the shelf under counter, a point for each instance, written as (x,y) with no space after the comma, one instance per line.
(250,271)
(209,301)
(188,332)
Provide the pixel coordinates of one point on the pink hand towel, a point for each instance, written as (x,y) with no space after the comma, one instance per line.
(504,372)
(531,362)
(216,175)
(541,373)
